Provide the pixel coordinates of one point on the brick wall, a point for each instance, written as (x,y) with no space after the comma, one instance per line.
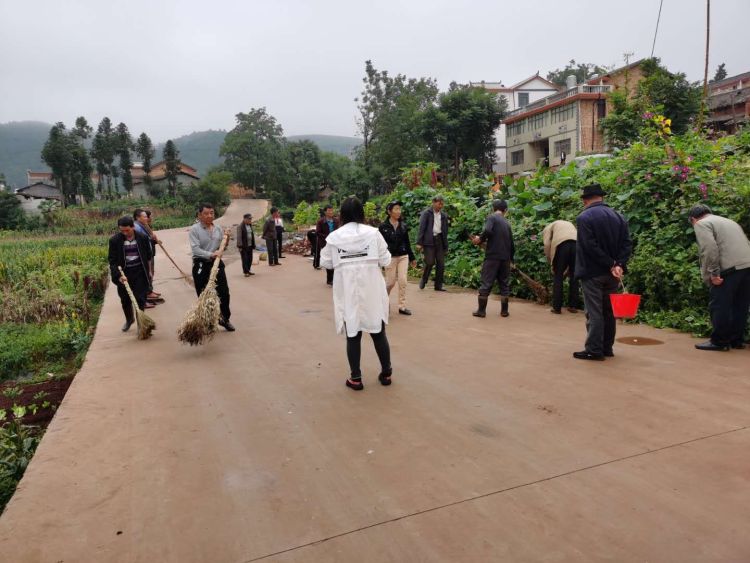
(587,111)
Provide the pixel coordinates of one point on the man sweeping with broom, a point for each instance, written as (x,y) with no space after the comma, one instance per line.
(130,251)
(498,257)
(205,243)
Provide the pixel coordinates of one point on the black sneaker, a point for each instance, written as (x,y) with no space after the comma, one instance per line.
(127,325)
(555,311)
(710,346)
(584,355)
(229,327)
(404,312)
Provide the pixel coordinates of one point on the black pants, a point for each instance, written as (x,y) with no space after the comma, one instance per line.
(201,273)
(316,254)
(271,250)
(329,277)
(563,266)
(495,270)
(382,348)
(312,238)
(434,256)
(279,241)
(139,284)
(600,320)
(247,259)
(728,304)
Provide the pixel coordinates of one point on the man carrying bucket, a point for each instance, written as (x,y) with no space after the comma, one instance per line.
(603,248)
(725,266)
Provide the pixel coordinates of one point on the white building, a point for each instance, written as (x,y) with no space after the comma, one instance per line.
(518,96)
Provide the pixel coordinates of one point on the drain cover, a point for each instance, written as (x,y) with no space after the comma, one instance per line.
(639,341)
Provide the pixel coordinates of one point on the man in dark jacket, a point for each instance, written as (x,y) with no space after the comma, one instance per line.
(324,227)
(433,240)
(603,248)
(130,251)
(396,235)
(269,236)
(246,243)
(498,257)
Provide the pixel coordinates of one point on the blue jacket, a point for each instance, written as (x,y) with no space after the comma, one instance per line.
(603,241)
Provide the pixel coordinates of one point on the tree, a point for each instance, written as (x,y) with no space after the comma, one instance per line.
(57,153)
(721,73)
(305,171)
(213,188)
(144,148)
(462,127)
(582,72)
(172,164)
(254,153)
(103,153)
(124,146)
(390,110)
(11,214)
(660,92)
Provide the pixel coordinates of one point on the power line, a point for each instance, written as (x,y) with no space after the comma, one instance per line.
(658,18)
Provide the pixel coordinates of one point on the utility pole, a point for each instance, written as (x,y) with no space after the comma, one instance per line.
(704,97)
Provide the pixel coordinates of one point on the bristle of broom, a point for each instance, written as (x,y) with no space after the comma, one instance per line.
(201,322)
(146,325)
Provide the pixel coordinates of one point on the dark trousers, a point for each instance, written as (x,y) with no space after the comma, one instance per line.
(354,352)
(316,254)
(139,284)
(246,254)
(272,251)
(495,270)
(563,266)
(201,273)
(312,238)
(600,320)
(434,256)
(329,277)
(728,304)
(279,241)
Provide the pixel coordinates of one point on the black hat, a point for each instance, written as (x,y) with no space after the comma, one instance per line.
(392,204)
(593,190)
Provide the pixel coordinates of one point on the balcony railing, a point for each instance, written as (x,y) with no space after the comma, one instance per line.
(580,89)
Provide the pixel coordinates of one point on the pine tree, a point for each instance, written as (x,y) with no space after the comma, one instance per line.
(172,163)
(144,148)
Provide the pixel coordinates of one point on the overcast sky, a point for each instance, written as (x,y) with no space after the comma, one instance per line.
(170,68)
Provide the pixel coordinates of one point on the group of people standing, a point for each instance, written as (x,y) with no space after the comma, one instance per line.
(364,264)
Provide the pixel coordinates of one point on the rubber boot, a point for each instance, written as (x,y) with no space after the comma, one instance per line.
(482,310)
(504,307)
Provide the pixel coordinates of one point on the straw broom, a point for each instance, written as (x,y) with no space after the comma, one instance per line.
(541,292)
(146,324)
(202,320)
(185,277)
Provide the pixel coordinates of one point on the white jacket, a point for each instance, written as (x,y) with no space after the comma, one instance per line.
(357,252)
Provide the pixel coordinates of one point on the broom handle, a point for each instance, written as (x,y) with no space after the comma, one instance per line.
(217,260)
(151,234)
(130,291)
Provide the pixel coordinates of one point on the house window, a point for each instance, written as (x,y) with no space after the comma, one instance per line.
(601,109)
(516,128)
(563,113)
(562,147)
(538,121)
(516,157)
(523,99)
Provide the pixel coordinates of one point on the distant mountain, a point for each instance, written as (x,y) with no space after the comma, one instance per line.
(332,143)
(21,145)
(199,149)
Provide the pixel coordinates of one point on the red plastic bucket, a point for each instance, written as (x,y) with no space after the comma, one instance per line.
(625,305)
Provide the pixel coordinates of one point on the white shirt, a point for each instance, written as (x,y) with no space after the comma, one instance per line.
(360,300)
(279,222)
(437,224)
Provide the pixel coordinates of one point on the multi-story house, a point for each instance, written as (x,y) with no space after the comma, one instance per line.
(517,96)
(564,124)
(729,102)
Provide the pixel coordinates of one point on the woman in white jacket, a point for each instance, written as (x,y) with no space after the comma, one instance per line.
(357,252)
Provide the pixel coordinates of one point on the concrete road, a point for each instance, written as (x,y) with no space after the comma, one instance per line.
(492,444)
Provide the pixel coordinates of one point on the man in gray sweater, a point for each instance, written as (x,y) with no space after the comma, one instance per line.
(725,266)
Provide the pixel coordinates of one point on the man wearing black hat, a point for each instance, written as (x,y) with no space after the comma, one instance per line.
(603,248)
(498,257)
(396,235)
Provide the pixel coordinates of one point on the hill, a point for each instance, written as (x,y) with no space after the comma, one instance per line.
(332,143)
(21,145)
